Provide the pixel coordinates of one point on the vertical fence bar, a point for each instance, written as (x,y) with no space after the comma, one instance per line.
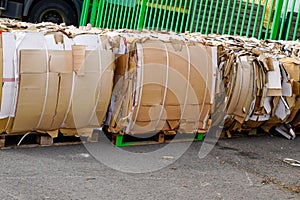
(244,18)
(193,16)
(116,21)
(189,16)
(129,16)
(110,15)
(133,18)
(137,15)
(297,24)
(113,14)
(164,15)
(155,13)
(169,16)
(215,17)
(94,12)
(262,19)
(238,17)
(221,16)
(199,15)
(232,17)
(85,12)
(105,15)
(256,18)
(183,17)
(121,14)
(204,16)
(100,13)
(178,16)
(250,18)
(282,19)
(142,15)
(151,12)
(146,13)
(209,16)
(173,15)
(226,17)
(290,20)
(126,15)
(269,19)
(159,16)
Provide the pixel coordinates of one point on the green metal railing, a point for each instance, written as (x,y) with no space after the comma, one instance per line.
(263,19)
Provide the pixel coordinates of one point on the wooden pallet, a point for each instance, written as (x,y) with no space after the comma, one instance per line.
(28,140)
(120,140)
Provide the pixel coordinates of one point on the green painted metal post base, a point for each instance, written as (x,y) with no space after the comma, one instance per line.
(119,140)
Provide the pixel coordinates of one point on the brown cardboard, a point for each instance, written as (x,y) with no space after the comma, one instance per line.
(33,61)
(31,99)
(175,88)
(63,101)
(61,61)
(78,52)
(291,65)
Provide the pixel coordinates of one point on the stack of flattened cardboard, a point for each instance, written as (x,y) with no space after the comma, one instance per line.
(261,80)
(61,78)
(162,84)
(52,82)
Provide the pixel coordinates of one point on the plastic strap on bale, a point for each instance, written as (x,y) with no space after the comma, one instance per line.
(47,86)
(205,94)
(16,81)
(98,82)
(70,100)
(188,83)
(139,47)
(166,88)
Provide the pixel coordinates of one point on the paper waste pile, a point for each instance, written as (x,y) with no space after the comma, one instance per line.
(58,78)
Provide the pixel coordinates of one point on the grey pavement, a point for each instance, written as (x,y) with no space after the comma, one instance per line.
(243,168)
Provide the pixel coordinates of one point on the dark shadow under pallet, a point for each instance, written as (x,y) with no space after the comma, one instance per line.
(34,139)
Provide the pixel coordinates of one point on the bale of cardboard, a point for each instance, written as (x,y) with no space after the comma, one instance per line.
(134,82)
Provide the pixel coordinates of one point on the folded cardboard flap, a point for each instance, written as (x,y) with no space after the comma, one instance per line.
(292,66)
(78,52)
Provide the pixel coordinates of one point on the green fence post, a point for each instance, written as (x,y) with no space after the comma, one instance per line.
(226,17)
(290,20)
(269,19)
(297,24)
(209,16)
(164,15)
(244,18)
(250,19)
(183,16)
(204,16)
(94,12)
(232,16)
(256,18)
(142,15)
(178,16)
(199,15)
(169,15)
(100,13)
(221,17)
(84,12)
(188,17)
(262,19)
(276,20)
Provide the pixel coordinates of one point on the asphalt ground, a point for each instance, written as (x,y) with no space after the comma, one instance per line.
(241,168)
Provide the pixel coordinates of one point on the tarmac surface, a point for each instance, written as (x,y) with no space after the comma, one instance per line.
(242,168)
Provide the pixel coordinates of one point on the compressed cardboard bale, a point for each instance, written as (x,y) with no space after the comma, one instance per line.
(50,86)
(157,102)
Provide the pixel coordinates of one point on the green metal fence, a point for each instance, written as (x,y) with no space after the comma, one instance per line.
(263,19)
